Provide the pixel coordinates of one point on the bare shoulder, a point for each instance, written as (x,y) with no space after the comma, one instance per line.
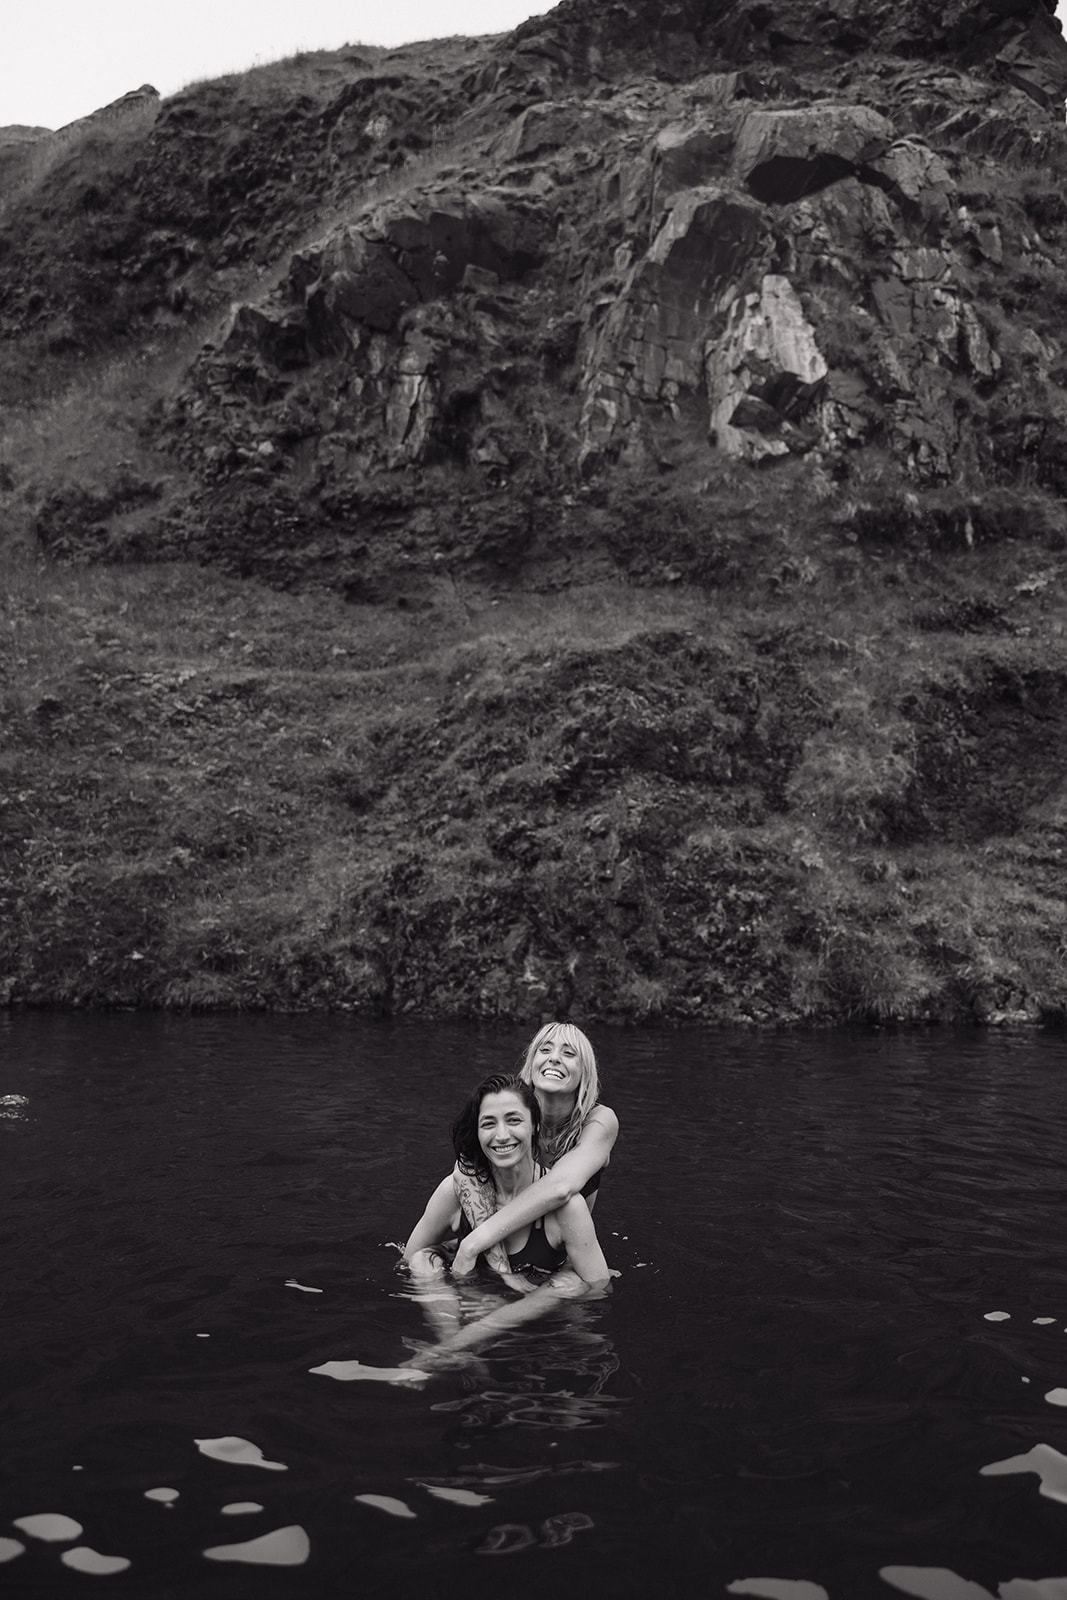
(603,1118)
(571,1215)
(576,1209)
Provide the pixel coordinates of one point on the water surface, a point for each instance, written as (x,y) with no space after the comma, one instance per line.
(798,1378)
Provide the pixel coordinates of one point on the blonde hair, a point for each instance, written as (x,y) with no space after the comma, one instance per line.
(588,1092)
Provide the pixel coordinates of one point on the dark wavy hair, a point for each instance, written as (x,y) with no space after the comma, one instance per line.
(465,1142)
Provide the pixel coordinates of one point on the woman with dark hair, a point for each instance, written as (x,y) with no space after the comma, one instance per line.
(577,1135)
(556,1257)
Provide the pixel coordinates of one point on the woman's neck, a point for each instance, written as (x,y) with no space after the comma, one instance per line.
(510,1181)
(555,1110)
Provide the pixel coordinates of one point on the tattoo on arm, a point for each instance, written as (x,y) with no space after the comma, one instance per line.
(478,1200)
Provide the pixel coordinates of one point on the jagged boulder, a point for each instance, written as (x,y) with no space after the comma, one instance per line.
(552,125)
(357,294)
(686,155)
(364,275)
(781,156)
(347,282)
(651,343)
(763,373)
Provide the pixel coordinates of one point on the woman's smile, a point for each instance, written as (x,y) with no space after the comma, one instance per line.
(505,1129)
(556,1066)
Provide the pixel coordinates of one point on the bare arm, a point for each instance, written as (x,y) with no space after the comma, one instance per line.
(478,1199)
(574,1226)
(585,1274)
(564,1285)
(439,1221)
(567,1178)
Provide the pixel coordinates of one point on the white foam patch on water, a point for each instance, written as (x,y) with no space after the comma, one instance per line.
(203,1336)
(1034,1589)
(10,1548)
(352,1371)
(1057,1397)
(164,1496)
(285,1547)
(990,1316)
(1026,1380)
(459,1497)
(51,1526)
(778,1588)
(1049,1465)
(242,1452)
(386,1502)
(934,1583)
(241,1508)
(291,1283)
(1043,1322)
(83,1559)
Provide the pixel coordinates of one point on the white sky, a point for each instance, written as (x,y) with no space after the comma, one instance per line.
(62,59)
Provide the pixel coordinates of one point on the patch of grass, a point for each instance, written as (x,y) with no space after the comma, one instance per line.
(640,805)
(856,776)
(96,147)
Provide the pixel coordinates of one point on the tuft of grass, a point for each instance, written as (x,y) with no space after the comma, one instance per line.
(856,777)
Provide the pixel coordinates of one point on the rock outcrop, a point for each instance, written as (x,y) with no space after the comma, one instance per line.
(626,233)
(757,232)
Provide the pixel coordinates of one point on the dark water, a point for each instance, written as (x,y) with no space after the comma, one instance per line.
(795,1378)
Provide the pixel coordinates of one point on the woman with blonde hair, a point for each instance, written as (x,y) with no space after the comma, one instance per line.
(577,1135)
(554,1258)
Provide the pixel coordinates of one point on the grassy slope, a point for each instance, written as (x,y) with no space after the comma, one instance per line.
(635,804)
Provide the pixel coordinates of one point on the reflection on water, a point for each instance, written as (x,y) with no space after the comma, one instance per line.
(387,1503)
(50,1526)
(285,1547)
(508,1537)
(833,1365)
(241,1452)
(1049,1464)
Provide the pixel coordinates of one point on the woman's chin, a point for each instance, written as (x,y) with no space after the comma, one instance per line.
(554,1096)
(502,1166)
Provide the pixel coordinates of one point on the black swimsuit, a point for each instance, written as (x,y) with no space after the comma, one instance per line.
(536,1255)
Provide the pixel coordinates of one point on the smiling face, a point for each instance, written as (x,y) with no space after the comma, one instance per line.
(555,1064)
(505,1130)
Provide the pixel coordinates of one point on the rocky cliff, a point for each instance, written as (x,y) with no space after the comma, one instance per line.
(756,306)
